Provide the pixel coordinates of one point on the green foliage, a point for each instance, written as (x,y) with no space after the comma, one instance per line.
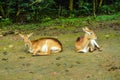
(107,17)
(46,19)
(5,22)
(60,23)
(107,9)
(31,10)
(45,10)
(85,9)
(40,7)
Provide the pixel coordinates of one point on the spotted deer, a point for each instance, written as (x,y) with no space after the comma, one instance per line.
(42,46)
(87,42)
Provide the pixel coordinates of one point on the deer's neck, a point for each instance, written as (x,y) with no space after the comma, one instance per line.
(86,39)
(30,46)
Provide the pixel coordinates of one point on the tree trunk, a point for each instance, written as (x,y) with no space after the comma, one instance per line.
(100,3)
(71,5)
(94,8)
(60,10)
(2,11)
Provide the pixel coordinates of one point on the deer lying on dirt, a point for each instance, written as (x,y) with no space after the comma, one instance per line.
(42,46)
(87,42)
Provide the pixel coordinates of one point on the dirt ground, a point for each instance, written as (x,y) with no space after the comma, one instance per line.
(17,64)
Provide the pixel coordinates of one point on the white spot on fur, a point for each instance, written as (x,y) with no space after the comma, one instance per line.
(31,51)
(86,48)
(45,47)
(54,48)
(94,43)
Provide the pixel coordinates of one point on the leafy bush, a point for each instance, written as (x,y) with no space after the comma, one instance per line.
(6,21)
(85,9)
(39,10)
(107,17)
(107,9)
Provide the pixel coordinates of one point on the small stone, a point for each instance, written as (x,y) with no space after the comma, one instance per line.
(58,58)
(66,70)
(5,52)
(58,64)
(21,57)
(77,62)
(10,46)
(4,59)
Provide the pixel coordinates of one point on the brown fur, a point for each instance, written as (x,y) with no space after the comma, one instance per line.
(84,41)
(42,46)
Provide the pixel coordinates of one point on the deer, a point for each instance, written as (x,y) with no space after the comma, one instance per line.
(42,46)
(87,42)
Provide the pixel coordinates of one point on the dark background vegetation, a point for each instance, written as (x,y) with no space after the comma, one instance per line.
(29,11)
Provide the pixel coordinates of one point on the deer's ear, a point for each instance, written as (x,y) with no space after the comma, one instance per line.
(30,34)
(21,35)
(86,28)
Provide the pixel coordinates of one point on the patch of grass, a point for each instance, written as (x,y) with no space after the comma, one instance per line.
(108,17)
(63,22)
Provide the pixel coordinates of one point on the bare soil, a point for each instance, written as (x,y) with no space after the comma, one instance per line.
(17,64)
